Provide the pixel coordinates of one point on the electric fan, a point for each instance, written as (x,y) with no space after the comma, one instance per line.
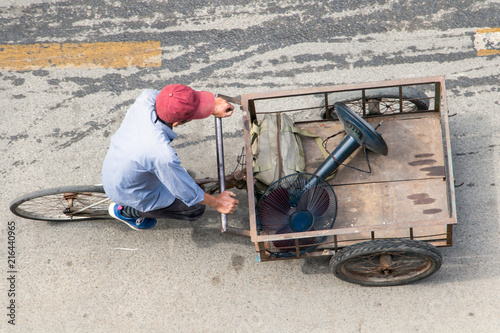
(305,202)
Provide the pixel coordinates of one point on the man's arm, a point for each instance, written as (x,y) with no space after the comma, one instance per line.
(224,203)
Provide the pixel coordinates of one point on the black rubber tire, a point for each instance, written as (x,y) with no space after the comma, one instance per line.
(413,100)
(50,204)
(360,263)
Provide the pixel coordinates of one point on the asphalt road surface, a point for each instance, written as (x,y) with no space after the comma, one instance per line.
(58,111)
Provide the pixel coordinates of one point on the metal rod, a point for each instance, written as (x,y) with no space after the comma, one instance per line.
(340,88)
(327,112)
(401,99)
(220,167)
(363,99)
(437,97)
(352,230)
(449,235)
(234,100)
(278,143)
(90,206)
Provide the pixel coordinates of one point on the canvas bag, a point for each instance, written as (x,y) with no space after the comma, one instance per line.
(268,165)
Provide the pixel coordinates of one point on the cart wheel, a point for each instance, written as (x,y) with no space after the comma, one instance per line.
(386,262)
(379,101)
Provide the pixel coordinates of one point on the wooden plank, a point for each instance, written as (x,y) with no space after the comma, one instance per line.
(415,150)
(391,203)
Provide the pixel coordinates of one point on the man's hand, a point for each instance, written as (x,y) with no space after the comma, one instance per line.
(224,203)
(222,108)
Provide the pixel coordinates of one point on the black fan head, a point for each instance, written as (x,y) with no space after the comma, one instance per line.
(360,130)
(297,203)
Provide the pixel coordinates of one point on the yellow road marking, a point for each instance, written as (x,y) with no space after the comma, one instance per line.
(487,41)
(487,52)
(86,55)
(486,30)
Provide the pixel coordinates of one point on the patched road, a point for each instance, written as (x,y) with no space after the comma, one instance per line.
(70,69)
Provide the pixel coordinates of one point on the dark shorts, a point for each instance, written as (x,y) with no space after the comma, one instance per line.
(177,210)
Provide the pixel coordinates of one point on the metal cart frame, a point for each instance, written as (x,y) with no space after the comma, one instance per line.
(430,180)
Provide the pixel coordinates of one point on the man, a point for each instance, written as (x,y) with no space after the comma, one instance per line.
(142,173)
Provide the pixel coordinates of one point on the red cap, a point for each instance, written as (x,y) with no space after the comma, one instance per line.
(177,102)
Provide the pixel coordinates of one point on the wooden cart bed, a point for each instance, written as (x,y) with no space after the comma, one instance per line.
(408,194)
(405,189)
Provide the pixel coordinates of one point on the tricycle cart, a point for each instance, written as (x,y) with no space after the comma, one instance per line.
(390,212)
(389,221)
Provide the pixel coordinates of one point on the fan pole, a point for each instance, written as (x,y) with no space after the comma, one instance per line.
(337,157)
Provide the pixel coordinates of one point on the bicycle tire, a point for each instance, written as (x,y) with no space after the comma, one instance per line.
(379,101)
(62,204)
(362,263)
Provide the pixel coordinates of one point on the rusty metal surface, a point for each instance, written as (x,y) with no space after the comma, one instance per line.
(249,99)
(236,179)
(246,106)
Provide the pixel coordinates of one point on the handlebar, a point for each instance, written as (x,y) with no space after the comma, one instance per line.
(220,169)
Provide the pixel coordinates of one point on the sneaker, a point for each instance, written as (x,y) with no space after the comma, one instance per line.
(141,223)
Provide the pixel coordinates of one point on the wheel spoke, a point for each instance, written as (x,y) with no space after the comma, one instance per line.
(379,106)
(384,105)
(402,263)
(63,205)
(386,262)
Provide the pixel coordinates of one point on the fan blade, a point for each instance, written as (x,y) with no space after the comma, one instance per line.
(314,200)
(286,230)
(291,242)
(283,243)
(273,222)
(274,209)
(286,242)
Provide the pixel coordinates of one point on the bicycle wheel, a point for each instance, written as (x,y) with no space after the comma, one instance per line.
(380,101)
(386,262)
(62,204)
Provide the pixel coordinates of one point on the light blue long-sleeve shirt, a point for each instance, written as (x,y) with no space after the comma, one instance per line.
(141,169)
